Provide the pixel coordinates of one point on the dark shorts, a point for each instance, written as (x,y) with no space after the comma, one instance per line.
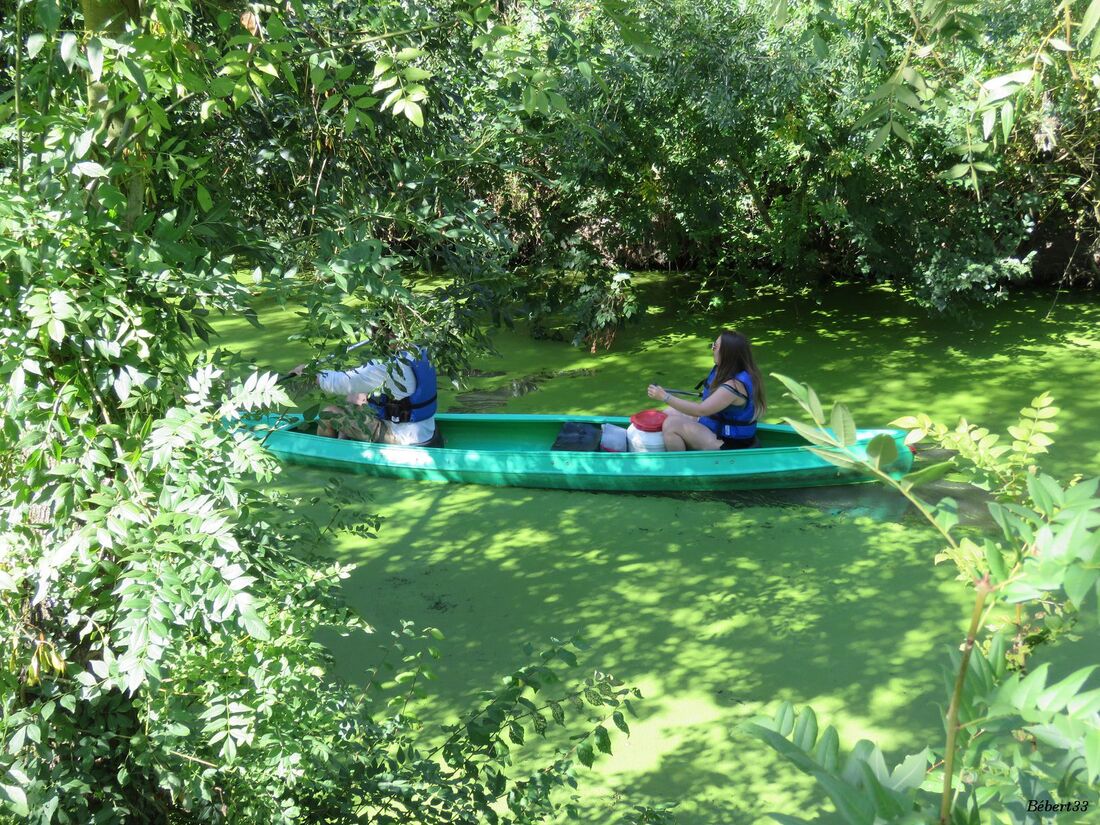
(739,443)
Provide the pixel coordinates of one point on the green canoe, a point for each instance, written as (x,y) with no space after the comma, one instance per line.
(514,450)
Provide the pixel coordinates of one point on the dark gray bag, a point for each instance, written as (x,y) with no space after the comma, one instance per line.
(576,436)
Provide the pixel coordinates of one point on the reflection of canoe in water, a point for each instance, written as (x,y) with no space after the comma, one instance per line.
(514,450)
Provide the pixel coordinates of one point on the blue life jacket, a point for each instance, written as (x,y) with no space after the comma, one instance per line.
(732,422)
(419,406)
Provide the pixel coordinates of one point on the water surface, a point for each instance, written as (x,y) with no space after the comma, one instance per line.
(717,606)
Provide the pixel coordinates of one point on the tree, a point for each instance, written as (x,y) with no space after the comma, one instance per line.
(158,602)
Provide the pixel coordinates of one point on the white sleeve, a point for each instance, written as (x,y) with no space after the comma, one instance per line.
(368,378)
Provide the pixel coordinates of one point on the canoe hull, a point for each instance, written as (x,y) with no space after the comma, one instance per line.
(478,451)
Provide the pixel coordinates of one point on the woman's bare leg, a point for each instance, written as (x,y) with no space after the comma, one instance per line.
(682,433)
(674,443)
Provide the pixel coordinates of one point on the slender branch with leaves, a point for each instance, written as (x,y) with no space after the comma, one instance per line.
(1017,741)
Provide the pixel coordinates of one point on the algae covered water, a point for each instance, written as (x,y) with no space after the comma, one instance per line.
(718,607)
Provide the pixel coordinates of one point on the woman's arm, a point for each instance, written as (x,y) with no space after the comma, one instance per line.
(718,400)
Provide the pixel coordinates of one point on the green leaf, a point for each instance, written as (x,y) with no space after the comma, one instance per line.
(805,729)
(1029,689)
(855,808)
(989,120)
(1078,581)
(843,426)
(798,391)
(885,803)
(392,97)
(36,41)
(557,713)
(1040,496)
(811,434)
(1008,116)
(957,171)
(89,169)
(255,626)
(792,753)
(603,739)
(135,73)
(784,719)
(814,405)
(206,203)
(56,330)
(17,799)
(1055,697)
(906,96)
(287,71)
(883,450)
(1020,77)
(779,10)
(910,773)
(1089,21)
(926,475)
(68,50)
(1092,755)
(384,83)
(95,58)
(996,562)
(585,755)
(836,457)
(413,113)
(880,138)
(827,751)
(901,131)
(515,733)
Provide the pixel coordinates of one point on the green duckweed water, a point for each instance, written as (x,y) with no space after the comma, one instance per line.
(717,607)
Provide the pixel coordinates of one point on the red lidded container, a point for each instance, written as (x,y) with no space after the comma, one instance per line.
(648,421)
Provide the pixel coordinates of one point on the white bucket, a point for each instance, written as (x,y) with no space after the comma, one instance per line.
(641,441)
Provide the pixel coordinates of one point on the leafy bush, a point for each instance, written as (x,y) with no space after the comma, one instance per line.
(590,302)
(795,143)
(158,602)
(1015,738)
(601,307)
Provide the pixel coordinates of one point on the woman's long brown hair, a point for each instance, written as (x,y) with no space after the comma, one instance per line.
(734,355)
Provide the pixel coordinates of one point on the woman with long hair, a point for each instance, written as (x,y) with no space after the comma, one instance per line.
(733,401)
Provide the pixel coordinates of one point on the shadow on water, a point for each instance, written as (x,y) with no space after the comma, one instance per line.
(717,608)
(873,501)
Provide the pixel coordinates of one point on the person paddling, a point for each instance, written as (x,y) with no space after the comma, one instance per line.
(733,400)
(400,395)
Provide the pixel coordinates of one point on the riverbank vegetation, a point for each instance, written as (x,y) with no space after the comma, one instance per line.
(428,170)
